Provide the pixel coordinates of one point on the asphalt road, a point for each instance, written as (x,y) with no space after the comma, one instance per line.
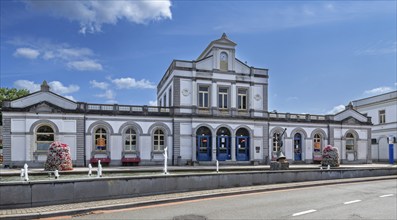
(366,200)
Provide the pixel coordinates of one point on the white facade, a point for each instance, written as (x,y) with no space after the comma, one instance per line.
(212,108)
(383,112)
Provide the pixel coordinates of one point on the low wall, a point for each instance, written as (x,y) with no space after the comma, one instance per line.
(39,193)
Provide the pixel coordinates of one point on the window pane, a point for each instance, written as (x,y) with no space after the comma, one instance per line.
(43,146)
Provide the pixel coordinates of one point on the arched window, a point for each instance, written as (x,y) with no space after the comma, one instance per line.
(223,61)
(44,137)
(317,143)
(276,142)
(158,140)
(100,139)
(350,142)
(130,140)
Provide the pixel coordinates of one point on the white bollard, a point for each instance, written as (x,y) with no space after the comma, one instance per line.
(89,170)
(321,168)
(25,167)
(22,173)
(328,167)
(165,160)
(56,174)
(217,166)
(99,173)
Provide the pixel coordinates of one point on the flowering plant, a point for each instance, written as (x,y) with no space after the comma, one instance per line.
(58,157)
(330,156)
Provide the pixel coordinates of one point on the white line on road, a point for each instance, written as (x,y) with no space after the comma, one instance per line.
(304,212)
(350,202)
(386,195)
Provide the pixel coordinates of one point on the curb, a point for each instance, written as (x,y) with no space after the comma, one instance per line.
(194,196)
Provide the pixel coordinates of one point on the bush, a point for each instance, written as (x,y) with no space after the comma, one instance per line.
(58,157)
(330,156)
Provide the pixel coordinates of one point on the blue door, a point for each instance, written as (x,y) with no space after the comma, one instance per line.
(298,147)
(223,148)
(203,148)
(242,148)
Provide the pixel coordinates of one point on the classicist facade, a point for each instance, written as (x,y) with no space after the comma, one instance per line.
(383,111)
(212,108)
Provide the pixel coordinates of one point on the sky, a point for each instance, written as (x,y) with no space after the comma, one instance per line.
(320,54)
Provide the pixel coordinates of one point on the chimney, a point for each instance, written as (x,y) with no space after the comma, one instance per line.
(45,87)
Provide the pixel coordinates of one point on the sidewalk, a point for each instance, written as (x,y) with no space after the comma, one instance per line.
(86,207)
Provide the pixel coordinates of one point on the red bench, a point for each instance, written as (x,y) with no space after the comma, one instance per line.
(103,160)
(132,160)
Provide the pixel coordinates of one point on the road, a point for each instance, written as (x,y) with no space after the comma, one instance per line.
(366,200)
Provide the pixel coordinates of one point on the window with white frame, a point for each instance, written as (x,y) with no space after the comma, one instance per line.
(100,139)
(203,96)
(242,98)
(276,142)
(382,116)
(222,98)
(44,137)
(130,140)
(158,140)
(350,142)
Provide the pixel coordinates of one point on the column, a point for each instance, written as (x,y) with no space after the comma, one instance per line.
(194,93)
(233,96)
(214,95)
(233,148)
(194,148)
(213,148)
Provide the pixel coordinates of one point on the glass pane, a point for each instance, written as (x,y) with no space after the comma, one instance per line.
(206,100)
(43,146)
(45,129)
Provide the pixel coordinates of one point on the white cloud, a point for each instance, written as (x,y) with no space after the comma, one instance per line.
(100,85)
(70,97)
(93,14)
(26,84)
(77,58)
(379,90)
(128,83)
(55,86)
(336,109)
(108,94)
(85,65)
(26,53)
(59,88)
(153,103)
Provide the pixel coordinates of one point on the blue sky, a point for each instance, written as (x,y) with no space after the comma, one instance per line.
(320,54)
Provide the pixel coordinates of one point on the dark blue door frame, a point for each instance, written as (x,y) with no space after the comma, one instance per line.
(223,148)
(297,148)
(204,148)
(242,148)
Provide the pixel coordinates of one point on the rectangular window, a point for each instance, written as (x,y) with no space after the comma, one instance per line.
(170,97)
(242,98)
(222,98)
(203,96)
(382,116)
(374,141)
(165,100)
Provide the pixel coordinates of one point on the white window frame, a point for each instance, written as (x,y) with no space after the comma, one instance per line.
(44,133)
(203,94)
(158,136)
(382,116)
(223,98)
(132,137)
(240,99)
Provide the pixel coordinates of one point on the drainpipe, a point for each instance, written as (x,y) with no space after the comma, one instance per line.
(84,138)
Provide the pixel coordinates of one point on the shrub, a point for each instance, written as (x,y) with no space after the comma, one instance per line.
(58,157)
(330,156)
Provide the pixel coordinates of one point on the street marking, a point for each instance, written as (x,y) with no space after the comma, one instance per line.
(304,212)
(386,195)
(350,202)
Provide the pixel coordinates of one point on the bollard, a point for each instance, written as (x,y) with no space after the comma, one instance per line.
(99,173)
(328,167)
(217,166)
(165,160)
(56,174)
(89,169)
(26,172)
(22,173)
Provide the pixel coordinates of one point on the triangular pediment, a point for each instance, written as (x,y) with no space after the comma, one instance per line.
(41,97)
(349,115)
(223,42)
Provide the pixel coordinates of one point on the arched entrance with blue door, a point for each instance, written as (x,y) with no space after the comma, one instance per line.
(297,147)
(242,144)
(203,143)
(223,144)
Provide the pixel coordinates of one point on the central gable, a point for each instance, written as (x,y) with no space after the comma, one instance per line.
(41,97)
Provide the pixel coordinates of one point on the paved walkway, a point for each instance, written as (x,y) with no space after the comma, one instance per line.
(87,207)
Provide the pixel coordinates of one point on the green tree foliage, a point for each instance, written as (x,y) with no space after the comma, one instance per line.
(10,94)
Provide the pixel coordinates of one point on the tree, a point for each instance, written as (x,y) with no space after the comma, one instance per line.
(10,94)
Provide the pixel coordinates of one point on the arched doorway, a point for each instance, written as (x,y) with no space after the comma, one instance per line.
(203,145)
(297,147)
(242,144)
(223,143)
